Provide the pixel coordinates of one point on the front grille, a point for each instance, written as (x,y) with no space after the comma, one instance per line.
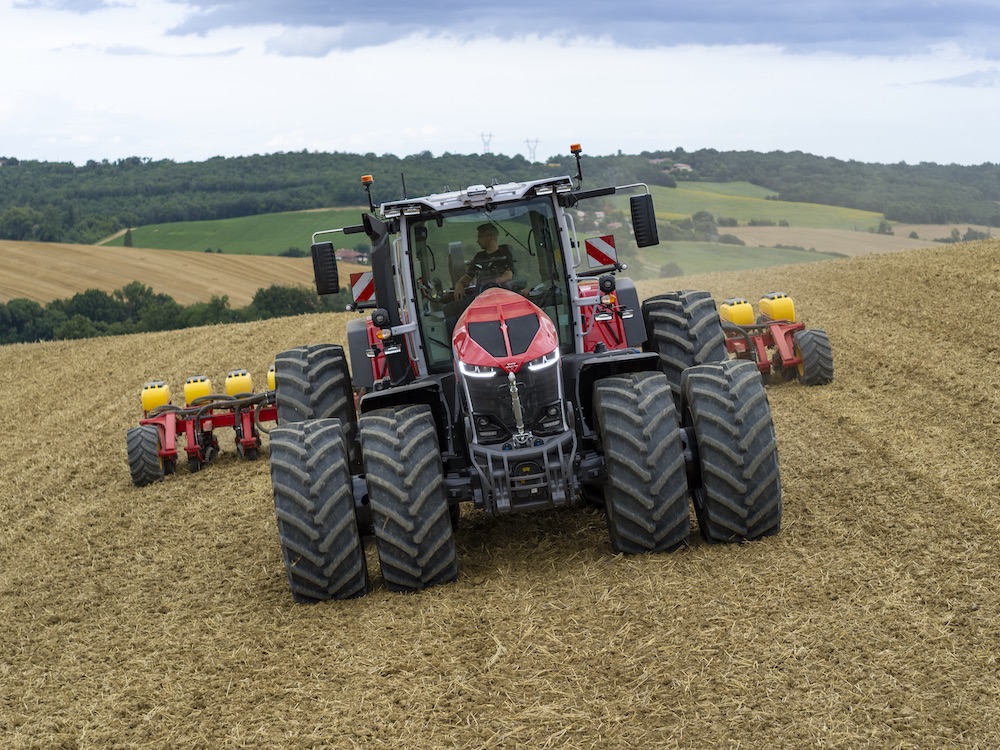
(493,411)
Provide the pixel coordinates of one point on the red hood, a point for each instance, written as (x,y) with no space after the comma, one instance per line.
(503,329)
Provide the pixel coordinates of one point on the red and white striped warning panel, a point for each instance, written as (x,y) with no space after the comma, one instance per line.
(601,251)
(363,286)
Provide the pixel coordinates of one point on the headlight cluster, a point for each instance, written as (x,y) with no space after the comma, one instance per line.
(478,371)
(489,399)
(546,360)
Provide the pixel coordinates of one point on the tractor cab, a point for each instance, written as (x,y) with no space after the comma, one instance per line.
(430,262)
(450,270)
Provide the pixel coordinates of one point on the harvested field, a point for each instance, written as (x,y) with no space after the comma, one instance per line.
(828,240)
(44,271)
(849,243)
(160,617)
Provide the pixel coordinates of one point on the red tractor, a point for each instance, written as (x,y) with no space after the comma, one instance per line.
(517,374)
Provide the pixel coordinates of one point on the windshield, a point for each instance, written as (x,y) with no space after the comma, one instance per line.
(516,247)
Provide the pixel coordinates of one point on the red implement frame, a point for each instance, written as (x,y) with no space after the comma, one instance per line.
(769,343)
(197,424)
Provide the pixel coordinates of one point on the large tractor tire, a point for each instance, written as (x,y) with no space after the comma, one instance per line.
(314,382)
(645,498)
(813,346)
(410,512)
(314,504)
(144,463)
(684,328)
(737,495)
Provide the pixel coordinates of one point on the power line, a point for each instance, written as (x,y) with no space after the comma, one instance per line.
(487,137)
(532,145)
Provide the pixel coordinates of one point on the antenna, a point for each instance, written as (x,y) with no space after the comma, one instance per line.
(487,137)
(532,145)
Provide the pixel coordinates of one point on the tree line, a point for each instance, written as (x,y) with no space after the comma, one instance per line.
(136,308)
(924,193)
(61,202)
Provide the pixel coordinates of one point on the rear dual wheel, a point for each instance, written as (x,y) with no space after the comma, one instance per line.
(314,382)
(684,328)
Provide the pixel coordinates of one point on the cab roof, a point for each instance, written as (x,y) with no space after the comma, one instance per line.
(476,196)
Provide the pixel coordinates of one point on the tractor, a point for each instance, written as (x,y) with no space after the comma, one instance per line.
(516,376)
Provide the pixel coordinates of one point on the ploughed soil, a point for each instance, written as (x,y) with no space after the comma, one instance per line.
(160,617)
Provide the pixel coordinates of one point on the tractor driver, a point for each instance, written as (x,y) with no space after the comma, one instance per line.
(493,265)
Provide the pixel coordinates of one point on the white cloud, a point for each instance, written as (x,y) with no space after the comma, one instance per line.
(114,83)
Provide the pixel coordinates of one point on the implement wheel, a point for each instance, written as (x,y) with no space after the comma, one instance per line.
(314,504)
(684,329)
(813,346)
(737,495)
(412,520)
(144,462)
(313,382)
(645,497)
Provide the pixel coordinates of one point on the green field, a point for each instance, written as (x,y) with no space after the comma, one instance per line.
(266,234)
(745,202)
(709,257)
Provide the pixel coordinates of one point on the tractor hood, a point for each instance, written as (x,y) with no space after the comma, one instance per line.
(501,329)
(507,362)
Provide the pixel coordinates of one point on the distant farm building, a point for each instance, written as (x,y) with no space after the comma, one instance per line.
(352,256)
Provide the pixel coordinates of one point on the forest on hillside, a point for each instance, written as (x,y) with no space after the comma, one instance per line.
(925,193)
(62,202)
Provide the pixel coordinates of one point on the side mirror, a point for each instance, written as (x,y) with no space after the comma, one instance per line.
(644,220)
(325,268)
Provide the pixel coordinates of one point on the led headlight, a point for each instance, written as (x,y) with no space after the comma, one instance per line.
(546,360)
(477,371)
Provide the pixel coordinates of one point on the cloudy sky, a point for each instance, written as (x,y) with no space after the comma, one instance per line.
(872,80)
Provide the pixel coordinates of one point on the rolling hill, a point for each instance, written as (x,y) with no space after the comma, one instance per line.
(44,271)
(160,617)
(171,258)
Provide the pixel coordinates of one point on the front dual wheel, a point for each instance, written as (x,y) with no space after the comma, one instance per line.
(410,510)
(314,504)
(645,498)
(737,487)
(726,457)
(321,544)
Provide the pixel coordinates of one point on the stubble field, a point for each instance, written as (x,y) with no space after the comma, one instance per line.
(45,271)
(160,617)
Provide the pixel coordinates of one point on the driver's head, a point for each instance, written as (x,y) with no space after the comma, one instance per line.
(487,237)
